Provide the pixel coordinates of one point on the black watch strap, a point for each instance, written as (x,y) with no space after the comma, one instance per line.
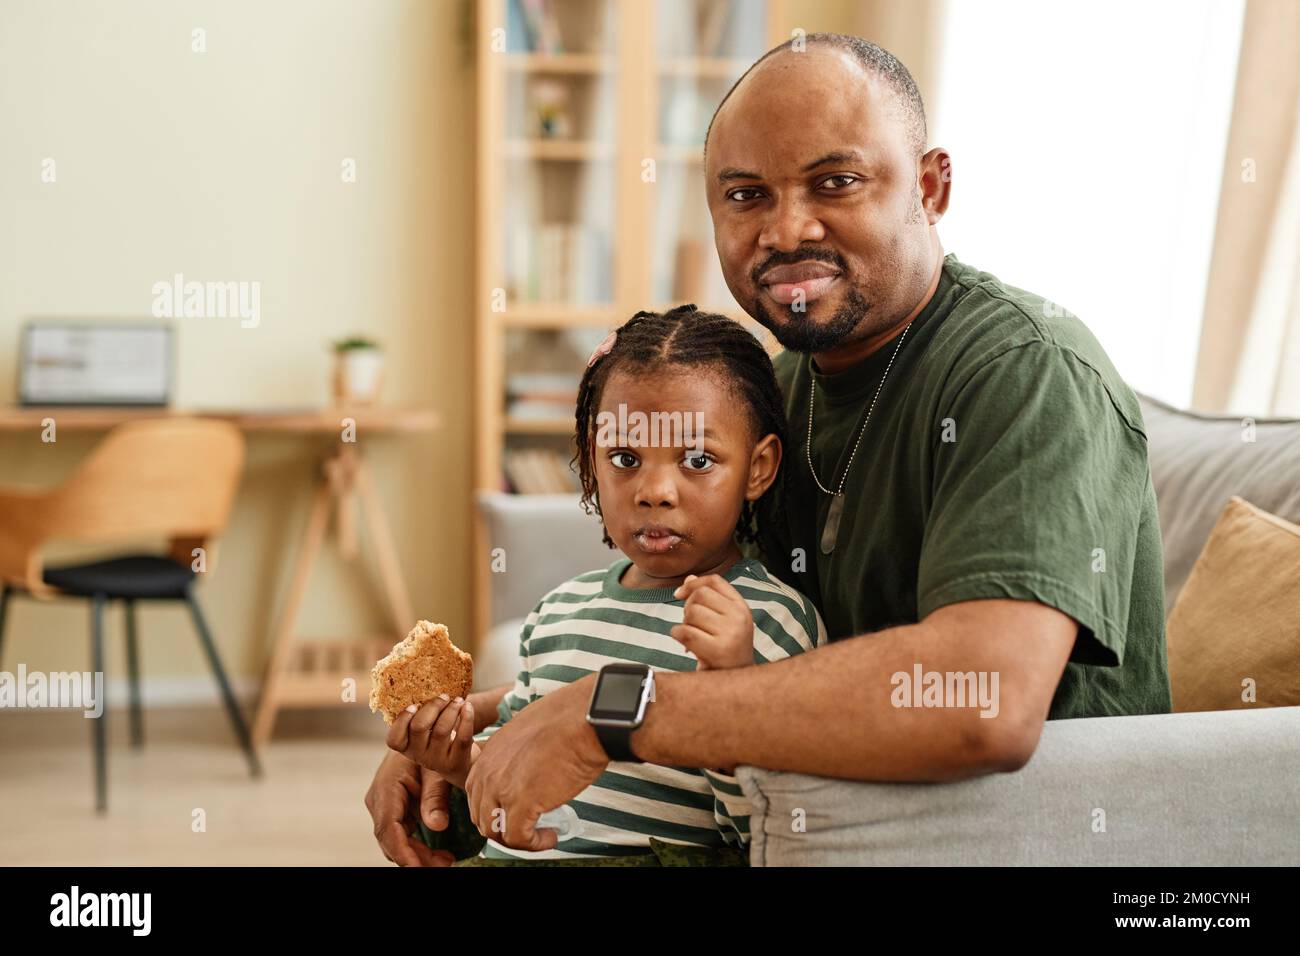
(617,743)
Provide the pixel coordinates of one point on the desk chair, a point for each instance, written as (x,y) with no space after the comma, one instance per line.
(171,477)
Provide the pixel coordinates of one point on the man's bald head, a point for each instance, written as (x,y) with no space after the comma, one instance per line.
(875,60)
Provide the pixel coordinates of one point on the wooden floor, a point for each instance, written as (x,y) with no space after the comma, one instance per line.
(306,809)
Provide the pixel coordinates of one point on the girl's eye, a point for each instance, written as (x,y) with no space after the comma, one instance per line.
(623,459)
(847,180)
(736,194)
(698,462)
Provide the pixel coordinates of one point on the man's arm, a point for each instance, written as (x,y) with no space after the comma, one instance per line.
(827,712)
(831,712)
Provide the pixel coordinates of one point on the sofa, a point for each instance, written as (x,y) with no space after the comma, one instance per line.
(1213,788)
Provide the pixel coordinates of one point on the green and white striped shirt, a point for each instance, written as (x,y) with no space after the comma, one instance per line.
(595,620)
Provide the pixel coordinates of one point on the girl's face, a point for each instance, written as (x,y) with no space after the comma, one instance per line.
(671,490)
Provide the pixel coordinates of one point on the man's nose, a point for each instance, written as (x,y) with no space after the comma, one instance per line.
(657,486)
(792,221)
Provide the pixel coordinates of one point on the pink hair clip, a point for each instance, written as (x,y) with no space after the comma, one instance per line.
(603,348)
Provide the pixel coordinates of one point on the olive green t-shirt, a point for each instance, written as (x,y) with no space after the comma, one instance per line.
(1005,458)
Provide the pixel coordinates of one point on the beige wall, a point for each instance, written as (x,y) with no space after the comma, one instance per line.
(225,165)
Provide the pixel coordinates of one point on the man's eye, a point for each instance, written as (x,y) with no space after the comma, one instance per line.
(736,194)
(623,459)
(698,462)
(843,179)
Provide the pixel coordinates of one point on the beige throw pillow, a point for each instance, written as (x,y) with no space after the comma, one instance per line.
(1234,635)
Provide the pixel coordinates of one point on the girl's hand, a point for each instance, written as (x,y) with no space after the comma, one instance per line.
(438,735)
(717,625)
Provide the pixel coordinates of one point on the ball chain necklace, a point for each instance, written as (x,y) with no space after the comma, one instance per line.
(832,529)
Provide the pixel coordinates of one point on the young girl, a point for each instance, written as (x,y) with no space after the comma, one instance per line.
(683,597)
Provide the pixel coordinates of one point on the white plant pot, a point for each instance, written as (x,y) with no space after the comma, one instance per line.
(358,374)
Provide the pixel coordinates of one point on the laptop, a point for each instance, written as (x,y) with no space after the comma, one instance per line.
(65,362)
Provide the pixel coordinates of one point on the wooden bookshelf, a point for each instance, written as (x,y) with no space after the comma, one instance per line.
(636,86)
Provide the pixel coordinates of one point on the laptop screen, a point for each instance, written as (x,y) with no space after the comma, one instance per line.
(70,363)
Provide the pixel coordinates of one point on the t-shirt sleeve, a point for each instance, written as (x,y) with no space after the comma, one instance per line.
(785,622)
(1038,484)
(521,694)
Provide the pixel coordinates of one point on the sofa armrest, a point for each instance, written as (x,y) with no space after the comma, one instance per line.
(1216,788)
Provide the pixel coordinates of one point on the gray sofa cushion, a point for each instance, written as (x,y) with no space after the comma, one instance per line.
(496,657)
(1198,462)
(1177,789)
(546,539)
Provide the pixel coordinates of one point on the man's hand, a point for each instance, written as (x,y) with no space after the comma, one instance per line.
(400,790)
(543,757)
(717,624)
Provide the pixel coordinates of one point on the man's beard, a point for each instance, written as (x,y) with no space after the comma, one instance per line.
(800,334)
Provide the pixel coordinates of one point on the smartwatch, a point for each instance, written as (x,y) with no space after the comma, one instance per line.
(618,706)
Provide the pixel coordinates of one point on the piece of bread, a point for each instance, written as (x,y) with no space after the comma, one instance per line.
(420,667)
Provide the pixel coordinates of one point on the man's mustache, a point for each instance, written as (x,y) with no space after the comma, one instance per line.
(829,256)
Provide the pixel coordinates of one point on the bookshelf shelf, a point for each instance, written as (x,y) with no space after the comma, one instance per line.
(710,67)
(541,315)
(558,63)
(679,153)
(540,426)
(561,149)
(730,309)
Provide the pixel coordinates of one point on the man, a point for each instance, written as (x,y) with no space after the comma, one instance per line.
(966,489)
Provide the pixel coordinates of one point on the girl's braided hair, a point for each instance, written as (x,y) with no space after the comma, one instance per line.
(683,337)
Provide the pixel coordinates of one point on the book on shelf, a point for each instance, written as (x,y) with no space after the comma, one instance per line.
(559,262)
(528,408)
(562,474)
(541,396)
(535,23)
(712,20)
(745,34)
(539,471)
(711,28)
(518,37)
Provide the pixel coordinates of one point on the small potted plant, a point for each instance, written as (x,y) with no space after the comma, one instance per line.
(358,370)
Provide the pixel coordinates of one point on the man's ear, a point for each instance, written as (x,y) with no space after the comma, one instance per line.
(763,466)
(936,183)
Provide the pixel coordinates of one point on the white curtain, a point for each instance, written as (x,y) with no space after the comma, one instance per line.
(1249,357)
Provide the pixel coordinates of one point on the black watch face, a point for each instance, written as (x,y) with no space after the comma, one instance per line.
(618,694)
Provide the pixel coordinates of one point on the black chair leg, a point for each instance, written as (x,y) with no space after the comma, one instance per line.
(133,670)
(101,731)
(4,607)
(232,708)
